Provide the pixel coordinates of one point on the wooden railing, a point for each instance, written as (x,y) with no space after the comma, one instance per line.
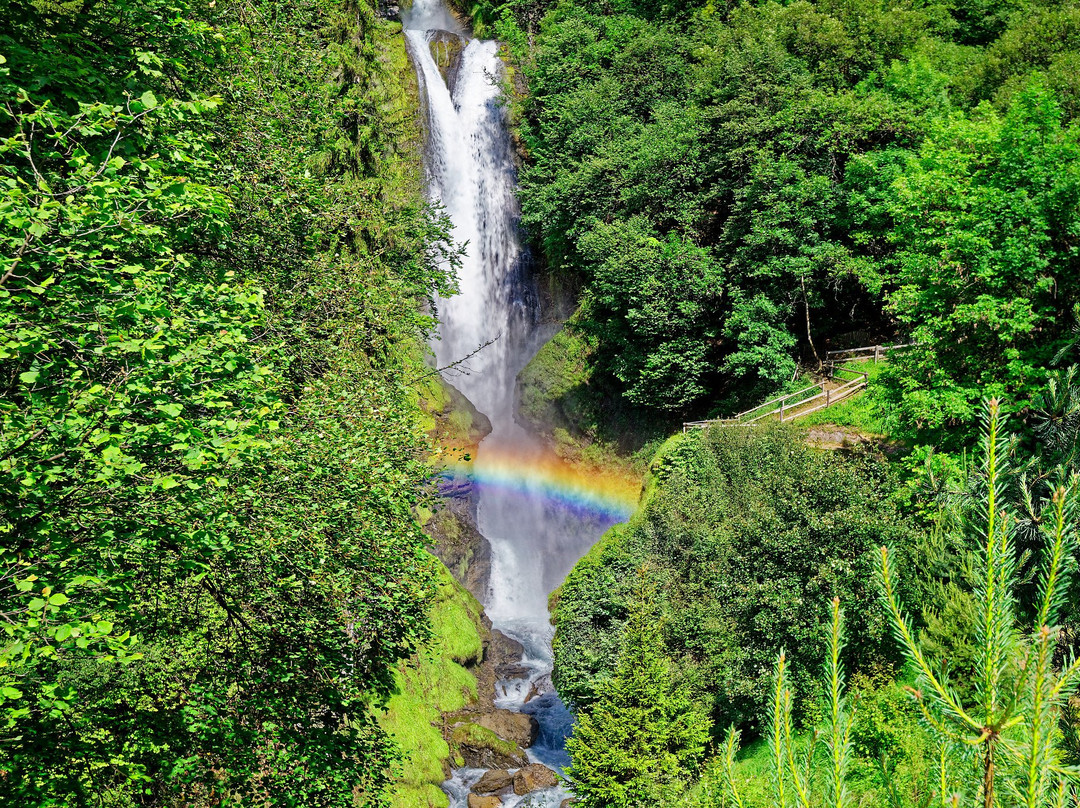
(778,404)
(833,395)
(793,405)
(874,352)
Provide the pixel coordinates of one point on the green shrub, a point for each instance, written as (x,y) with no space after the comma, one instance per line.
(743,533)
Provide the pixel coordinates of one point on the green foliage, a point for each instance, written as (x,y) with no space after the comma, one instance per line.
(986,262)
(743,531)
(867,412)
(1002,744)
(890,759)
(637,744)
(434,682)
(208,461)
(590,421)
(792,774)
(652,303)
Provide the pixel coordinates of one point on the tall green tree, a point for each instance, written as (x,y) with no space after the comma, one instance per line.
(1011,725)
(986,221)
(745,532)
(213,261)
(638,744)
(999,740)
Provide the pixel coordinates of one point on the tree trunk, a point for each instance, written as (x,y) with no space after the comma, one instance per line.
(810,339)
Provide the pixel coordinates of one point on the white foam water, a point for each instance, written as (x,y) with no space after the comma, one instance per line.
(534,541)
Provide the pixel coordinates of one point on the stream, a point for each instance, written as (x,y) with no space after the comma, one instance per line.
(536,531)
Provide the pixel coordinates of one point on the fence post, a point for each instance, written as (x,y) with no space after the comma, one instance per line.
(877,353)
(781,412)
(828,395)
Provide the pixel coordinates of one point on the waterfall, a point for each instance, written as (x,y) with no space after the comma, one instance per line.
(535,539)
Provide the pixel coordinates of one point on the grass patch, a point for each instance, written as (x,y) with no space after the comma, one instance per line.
(455,620)
(863,411)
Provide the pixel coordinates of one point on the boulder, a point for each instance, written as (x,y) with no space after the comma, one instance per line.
(514,727)
(532,777)
(476,801)
(446,49)
(504,650)
(512,670)
(566,803)
(492,781)
(482,749)
(389,10)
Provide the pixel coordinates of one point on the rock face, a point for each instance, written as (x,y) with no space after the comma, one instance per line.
(460,546)
(460,427)
(514,727)
(446,49)
(532,777)
(505,656)
(492,781)
(504,650)
(476,801)
(389,10)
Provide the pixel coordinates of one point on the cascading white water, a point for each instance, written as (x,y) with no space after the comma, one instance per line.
(535,541)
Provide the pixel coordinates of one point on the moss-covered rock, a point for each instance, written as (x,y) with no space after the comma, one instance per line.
(580,419)
(483,749)
(553,387)
(460,546)
(446,49)
(457,428)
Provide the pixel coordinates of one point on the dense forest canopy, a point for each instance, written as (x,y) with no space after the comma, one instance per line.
(744,186)
(744,537)
(214,258)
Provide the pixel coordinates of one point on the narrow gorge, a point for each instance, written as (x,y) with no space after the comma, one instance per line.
(538,513)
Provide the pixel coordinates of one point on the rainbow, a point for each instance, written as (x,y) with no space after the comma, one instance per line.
(609,496)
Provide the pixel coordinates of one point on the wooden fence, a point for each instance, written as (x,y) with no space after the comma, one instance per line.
(795,405)
(874,352)
(792,405)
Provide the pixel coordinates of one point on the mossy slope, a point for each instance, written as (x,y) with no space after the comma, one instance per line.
(434,682)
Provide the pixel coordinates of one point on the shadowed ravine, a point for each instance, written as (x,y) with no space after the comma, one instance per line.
(535,535)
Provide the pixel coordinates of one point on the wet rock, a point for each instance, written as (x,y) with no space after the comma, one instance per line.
(514,727)
(512,670)
(543,684)
(460,546)
(459,428)
(532,777)
(471,424)
(504,650)
(389,10)
(476,801)
(483,749)
(446,49)
(566,803)
(492,781)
